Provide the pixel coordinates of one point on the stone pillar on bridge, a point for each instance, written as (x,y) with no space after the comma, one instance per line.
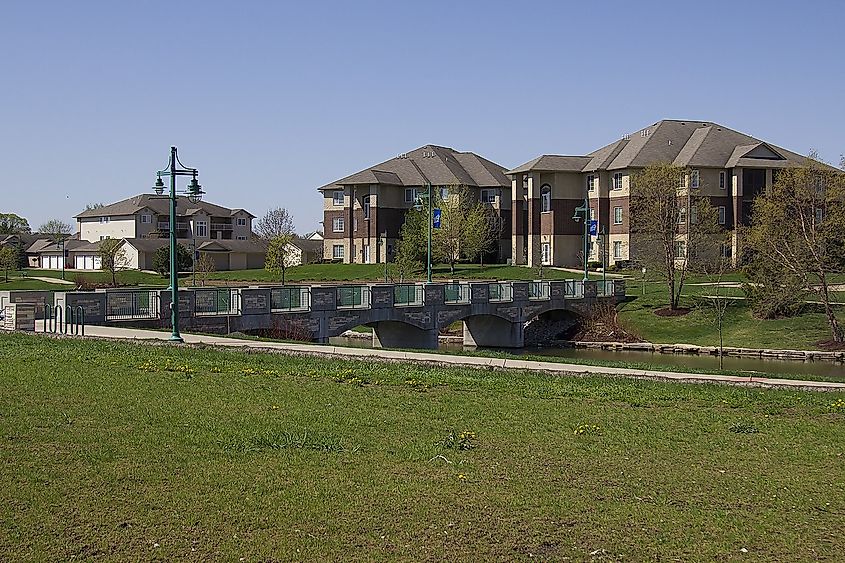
(591,289)
(323,303)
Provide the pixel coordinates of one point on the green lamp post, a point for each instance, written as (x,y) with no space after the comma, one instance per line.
(584,210)
(418,205)
(194,192)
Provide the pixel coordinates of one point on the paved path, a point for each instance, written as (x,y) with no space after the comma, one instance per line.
(46,279)
(470,361)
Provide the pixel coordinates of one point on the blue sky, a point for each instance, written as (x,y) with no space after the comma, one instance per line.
(271,100)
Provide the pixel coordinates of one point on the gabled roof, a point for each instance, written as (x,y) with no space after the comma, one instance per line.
(307,245)
(213,245)
(553,163)
(158,204)
(681,142)
(441,166)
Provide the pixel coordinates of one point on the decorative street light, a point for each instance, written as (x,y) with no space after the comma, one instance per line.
(418,205)
(194,192)
(584,210)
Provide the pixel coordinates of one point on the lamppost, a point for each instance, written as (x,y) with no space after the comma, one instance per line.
(418,205)
(194,192)
(584,210)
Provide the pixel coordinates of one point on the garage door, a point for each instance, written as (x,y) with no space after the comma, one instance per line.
(87,262)
(51,262)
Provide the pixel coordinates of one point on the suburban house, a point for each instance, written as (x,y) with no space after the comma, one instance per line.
(727,166)
(303,250)
(363,213)
(226,254)
(78,254)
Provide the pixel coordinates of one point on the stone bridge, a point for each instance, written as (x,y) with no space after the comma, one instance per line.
(494,314)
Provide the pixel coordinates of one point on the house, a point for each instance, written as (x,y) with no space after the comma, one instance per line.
(727,166)
(364,212)
(47,253)
(303,251)
(226,254)
(316,235)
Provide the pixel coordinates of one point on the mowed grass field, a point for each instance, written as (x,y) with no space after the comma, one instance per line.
(141,452)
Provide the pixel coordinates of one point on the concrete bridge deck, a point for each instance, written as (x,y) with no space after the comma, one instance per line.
(494,314)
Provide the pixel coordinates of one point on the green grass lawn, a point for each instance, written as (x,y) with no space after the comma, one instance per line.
(32,285)
(138,452)
(125,277)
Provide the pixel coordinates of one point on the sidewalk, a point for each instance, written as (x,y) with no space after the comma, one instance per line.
(457,360)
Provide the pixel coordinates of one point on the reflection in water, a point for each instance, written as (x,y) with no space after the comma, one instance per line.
(750,365)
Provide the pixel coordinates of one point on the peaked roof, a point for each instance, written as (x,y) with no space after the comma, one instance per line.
(212,245)
(441,166)
(681,142)
(161,205)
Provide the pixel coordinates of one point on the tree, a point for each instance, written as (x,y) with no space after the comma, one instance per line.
(798,229)
(11,224)
(9,259)
(718,302)
(161,259)
(92,206)
(674,227)
(278,255)
(56,229)
(204,266)
(112,257)
(275,223)
(483,231)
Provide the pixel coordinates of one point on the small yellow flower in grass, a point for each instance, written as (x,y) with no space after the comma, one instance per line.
(275,407)
(462,477)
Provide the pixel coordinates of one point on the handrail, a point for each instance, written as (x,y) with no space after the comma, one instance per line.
(457,293)
(352,297)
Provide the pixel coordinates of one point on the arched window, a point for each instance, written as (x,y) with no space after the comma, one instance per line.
(545,198)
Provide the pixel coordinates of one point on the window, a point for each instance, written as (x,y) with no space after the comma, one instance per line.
(488,196)
(617,181)
(592,214)
(545,198)
(695,178)
(202,228)
(444,192)
(682,215)
(819,214)
(617,215)
(105,219)
(591,183)
(241,237)
(146,218)
(337,197)
(365,205)
(355,224)
(722,180)
(338,225)
(546,253)
(693,215)
(682,181)
(721,209)
(337,252)
(680,249)
(617,249)
(241,221)
(725,251)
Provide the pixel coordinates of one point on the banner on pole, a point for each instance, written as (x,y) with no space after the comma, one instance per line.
(436,214)
(594,227)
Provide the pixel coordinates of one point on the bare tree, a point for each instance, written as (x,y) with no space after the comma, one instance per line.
(56,229)
(275,223)
(204,266)
(798,228)
(670,224)
(278,257)
(112,257)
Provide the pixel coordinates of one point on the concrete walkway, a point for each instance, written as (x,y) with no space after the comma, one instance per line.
(58,281)
(457,360)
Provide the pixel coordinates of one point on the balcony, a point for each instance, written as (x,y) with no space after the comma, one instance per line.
(221,226)
(165,226)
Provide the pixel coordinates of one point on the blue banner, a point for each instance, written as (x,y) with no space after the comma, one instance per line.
(436,214)
(594,227)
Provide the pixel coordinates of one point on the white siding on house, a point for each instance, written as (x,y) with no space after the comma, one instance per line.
(92,230)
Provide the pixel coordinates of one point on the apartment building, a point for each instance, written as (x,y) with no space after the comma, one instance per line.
(364,212)
(727,166)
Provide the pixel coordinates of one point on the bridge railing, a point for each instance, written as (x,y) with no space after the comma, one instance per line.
(606,288)
(500,292)
(290,299)
(217,301)
(539,291)
(457,293)
(353,297)
(132,305)
(408,295)
(573,289)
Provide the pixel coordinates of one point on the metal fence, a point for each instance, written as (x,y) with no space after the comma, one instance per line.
(606,288)
(500,292)
(408,295)
(353,297)
(574,289)
(457,293)
(539,290)
(290,299)
(132,305)
(217,301)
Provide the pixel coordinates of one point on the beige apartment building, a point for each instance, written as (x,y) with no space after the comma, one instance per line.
(364,212)
(729,167)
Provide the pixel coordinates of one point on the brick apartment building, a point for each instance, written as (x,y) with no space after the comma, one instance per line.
(729,167)
(363,213)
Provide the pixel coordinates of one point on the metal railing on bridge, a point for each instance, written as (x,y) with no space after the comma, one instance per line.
(606,288)
(457,293)
(500,292)
(132,305)
(353,297)
(217,301)
(290,299)
(573,289)
(408,295)
(539,291)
